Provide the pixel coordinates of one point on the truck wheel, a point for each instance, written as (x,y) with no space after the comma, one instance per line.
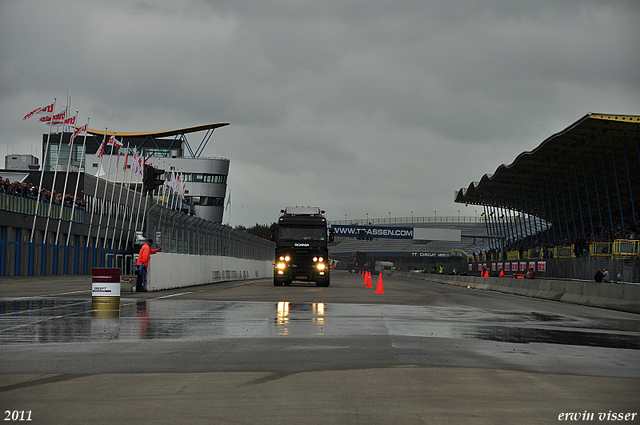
(277,283)
(322,283)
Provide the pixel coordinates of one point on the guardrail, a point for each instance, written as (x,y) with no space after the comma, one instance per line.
(563,252)
(601,249)
(22,205)
(626,248)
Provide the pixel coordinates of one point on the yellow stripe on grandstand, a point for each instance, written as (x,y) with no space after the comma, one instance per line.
(623,118)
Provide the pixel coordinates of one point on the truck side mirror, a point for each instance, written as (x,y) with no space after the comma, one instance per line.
(274,235)
(331,236)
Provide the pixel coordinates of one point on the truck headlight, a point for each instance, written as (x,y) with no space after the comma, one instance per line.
(320,266)
(281,266)
(284,258)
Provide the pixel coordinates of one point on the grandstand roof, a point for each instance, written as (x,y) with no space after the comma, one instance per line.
(596,159)
(166,133)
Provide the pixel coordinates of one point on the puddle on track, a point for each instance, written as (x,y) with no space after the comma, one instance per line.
(60,320)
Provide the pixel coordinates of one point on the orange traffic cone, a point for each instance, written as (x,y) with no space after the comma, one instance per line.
(379,289)
(365,277)
(368,280)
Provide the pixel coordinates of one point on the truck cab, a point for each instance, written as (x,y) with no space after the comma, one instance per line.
(301,236)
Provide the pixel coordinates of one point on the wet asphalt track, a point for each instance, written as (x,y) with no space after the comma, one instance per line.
(249,352)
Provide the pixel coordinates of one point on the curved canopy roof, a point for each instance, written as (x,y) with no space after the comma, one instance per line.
(154,134)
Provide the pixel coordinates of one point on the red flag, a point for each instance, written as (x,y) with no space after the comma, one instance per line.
(44,110)
(114,142)
(101,148)
(126,160)
(78,131)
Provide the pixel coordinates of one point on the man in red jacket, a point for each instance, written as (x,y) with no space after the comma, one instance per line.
(143,263)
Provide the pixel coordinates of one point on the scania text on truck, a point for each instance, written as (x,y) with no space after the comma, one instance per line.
(301,236)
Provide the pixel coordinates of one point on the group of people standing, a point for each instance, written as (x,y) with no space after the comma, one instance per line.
(29,190)
(602,276)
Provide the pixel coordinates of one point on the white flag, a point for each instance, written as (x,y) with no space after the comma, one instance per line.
(44,110)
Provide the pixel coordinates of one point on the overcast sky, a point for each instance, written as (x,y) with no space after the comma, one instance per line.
(358,107)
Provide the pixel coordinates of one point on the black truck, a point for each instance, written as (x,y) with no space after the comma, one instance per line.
(301,236)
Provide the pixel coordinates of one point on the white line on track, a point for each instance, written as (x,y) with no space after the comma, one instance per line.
(173,295)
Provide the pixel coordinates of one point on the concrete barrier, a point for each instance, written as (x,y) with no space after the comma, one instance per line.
(623,297)
(169,270)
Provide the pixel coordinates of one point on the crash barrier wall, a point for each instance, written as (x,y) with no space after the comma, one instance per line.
(614,296)
(169,270)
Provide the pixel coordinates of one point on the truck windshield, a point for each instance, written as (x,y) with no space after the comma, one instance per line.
(302,233)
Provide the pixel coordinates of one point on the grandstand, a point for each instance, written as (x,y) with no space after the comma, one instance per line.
(570,206)
(582,181)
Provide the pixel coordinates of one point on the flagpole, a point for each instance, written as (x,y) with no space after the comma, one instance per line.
(135,228)
(119,199)
(66,178)
(104,198)
(75,192)
(113,191)
(55,174)
(230,209)
(137,167)
(46,151)
(95,192)
(126,201)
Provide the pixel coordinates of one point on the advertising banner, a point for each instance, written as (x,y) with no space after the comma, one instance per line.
(542,266)
(355,231)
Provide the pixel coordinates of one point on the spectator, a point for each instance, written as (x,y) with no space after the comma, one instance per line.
(29,190)
(598,276)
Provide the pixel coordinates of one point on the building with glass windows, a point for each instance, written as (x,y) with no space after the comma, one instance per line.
(205,179)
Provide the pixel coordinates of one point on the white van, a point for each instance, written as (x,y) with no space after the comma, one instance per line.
(384,267)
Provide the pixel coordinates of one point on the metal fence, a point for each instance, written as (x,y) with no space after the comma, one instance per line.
(177,232)
(27,206)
